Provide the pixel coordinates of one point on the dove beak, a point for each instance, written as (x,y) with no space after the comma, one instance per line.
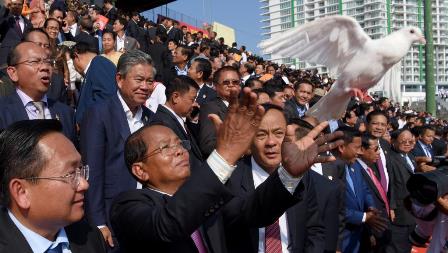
(422,40)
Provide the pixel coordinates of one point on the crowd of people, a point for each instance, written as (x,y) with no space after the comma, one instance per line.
(122,135)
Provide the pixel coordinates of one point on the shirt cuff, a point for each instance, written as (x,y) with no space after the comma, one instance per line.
(288,181)
(363,217)
(222,169)
(101,226)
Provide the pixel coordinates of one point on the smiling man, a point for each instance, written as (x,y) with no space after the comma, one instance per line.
(104,129)
(30,68)
(42,192)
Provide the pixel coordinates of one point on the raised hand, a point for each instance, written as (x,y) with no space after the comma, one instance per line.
(299,155)
(234,135)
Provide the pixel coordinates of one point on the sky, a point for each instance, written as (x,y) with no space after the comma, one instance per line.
(242,15)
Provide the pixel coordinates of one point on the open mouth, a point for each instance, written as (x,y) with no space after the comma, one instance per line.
(45,80)
(271,155)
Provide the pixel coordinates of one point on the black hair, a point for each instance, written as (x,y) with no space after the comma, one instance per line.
(135,149)
(251,83)
(20,156)
(425,128)
(302,81)
(218,73)
(82,48)
(349,133)
(205,67)
(181,84)
(374,114)
(273,86)
(186,51)
(32,30)
(123,21)
(365,138)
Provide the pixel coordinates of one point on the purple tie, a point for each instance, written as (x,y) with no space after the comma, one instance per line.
(382,174)
(197,239)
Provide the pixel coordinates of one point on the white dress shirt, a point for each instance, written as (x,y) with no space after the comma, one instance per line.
(179,119)
(31,110)
(21,23)
(157,97)
(259,175)
(383,159)
(73,29)
(120,42)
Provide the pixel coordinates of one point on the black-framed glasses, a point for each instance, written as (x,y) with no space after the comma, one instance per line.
(73,178)
(169,149)
(36,62)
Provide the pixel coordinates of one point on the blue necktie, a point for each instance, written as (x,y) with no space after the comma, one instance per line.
(57,249)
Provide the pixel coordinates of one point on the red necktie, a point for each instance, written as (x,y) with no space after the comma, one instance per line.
(379,188)
(273,243)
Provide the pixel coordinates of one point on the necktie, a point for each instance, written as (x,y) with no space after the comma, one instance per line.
(273,243)
(57,249)
(379,188)
(408,160)
(197,239)
(19,29)
(383,181)
(40,109)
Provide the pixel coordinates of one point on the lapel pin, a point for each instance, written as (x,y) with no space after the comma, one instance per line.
(57,117)
(330,177)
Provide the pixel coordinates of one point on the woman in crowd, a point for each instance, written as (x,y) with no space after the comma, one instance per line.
(109,47)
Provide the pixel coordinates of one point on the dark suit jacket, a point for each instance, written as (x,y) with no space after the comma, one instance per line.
(291,109)
(160,55)
(139,34)
(83,237)
(439,147)
(418,150)
(356,203)
(9,34)
(328,195)
(12,110)
(165,117)
(104,130)
(146,219)
(205,94)
(58,89)
(98,86)
(401,172)
(207,134)
(305,228)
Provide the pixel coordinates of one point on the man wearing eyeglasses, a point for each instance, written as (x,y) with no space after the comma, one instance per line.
(42,192)
(13,26)
(225,79)
(30,68)
(104,129)
(370,154)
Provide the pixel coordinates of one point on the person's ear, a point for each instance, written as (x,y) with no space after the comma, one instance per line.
(20,193)
(175,98)
(139,172)
(12,73)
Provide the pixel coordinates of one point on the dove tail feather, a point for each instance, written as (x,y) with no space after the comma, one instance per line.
(330,106)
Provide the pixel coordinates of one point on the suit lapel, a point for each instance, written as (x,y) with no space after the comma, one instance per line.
(11,240)
(118,113)
(17,109)
(247,184)
(180,128)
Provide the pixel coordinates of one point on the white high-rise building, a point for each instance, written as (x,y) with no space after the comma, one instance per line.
(378,18)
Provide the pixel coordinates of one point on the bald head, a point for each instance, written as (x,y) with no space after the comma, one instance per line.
(15,55)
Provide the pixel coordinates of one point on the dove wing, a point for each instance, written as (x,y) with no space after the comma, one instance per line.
(331,41)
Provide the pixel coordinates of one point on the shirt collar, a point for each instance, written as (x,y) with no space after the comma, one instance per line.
(38,243)
(87,67)
(259,174)
(362,163)
(26,99)
(129,115)
(180,119)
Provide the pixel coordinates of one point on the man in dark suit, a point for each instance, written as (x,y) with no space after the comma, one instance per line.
(104,129)
(135,31)
(423,147)
(300,227)
(369,157)
(403,165)
(175,113)
(176,207)
(85,35)
(29,67)
(299,104)
(225,79)
(200,70)
(359,204)
(42,192)
(12,27)
(99,77)
(330,191)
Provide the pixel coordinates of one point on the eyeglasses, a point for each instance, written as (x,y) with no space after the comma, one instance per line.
(375,149)
(36,62)
(233,82)
(410,142)
(169,149)
(42,45)
(72,178)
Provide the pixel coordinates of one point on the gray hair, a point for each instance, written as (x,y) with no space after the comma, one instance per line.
(132,58)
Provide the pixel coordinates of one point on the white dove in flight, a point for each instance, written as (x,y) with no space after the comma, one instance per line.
(339,43)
